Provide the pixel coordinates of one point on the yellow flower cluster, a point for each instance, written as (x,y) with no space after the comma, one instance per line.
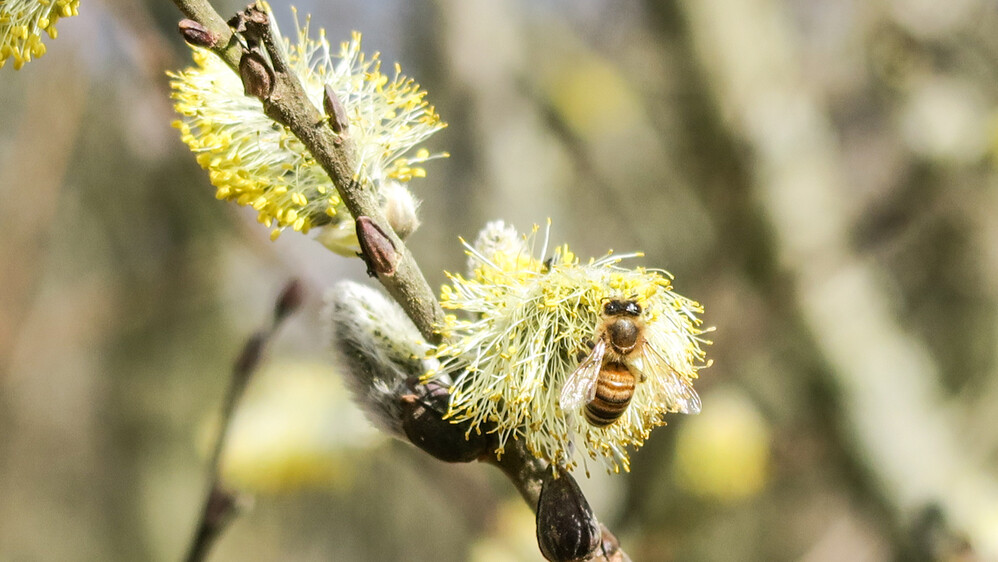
(256,162)
(22,23)
(531,318)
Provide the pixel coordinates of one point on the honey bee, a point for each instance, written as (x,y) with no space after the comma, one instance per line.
(605,379)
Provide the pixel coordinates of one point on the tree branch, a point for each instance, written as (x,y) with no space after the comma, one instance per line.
(285,101)
(288,105)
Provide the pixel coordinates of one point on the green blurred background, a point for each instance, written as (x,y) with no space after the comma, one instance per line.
(820,174)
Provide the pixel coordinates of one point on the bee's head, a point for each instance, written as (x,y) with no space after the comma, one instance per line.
(621,307)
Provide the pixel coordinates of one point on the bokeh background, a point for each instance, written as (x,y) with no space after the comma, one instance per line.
(819,173)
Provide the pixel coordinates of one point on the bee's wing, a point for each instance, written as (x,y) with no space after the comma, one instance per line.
(680,391)
(580,387)
(678,395)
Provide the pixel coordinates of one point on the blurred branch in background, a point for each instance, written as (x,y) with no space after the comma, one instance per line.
(890,385)
(220,504)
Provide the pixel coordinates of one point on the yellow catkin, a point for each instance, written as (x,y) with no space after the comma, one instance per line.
(252,161)
(23,21)
(530,315)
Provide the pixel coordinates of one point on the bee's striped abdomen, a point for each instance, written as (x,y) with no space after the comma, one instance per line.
(614,390)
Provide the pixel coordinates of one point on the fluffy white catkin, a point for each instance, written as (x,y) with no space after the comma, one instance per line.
(378,349)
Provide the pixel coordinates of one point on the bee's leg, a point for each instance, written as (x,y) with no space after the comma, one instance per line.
(583,353)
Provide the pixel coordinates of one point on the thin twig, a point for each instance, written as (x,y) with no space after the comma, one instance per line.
(220,504)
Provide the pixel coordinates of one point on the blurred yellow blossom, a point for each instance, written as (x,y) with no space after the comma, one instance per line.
(296,427)
(724,452)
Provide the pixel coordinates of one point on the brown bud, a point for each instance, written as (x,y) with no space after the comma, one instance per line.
(425,427)
(251,16)
(249,357)
(376,248)
(337,114)
(566,526)
(197,34)
(289,300)
(611,547)
(220,506)
(256,17)
(257,76)
(237,23)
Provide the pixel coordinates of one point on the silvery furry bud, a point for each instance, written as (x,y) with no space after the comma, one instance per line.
(496,237)
(399,207)
(380,352)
